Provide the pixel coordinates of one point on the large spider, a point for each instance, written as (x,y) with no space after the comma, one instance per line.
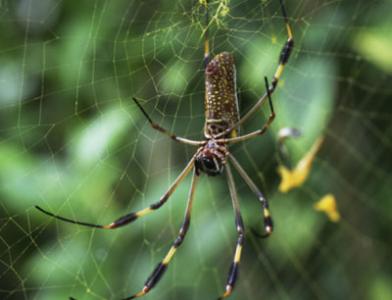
(212,157)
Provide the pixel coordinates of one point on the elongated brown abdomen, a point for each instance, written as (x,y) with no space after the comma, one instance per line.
(221,103)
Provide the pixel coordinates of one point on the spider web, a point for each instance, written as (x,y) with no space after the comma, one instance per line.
(72,141)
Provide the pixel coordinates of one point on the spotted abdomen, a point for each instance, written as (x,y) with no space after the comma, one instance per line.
(221,103)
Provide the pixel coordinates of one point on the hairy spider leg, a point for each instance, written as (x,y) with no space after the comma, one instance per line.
(160,269)
(128,218)
(159,128)
(268,224)
(233,271)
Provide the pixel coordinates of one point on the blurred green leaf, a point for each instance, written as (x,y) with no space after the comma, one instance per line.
(59,260)
(375,46)
(306,102)
(176,78)
(95,140)
(260,60)
(381,287)
(14,85)
(26,179)
(297,225)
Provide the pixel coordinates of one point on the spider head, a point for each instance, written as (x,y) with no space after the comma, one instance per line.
(209,165)
(210,159)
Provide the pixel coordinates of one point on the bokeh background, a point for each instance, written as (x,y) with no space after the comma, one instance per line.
(72,141)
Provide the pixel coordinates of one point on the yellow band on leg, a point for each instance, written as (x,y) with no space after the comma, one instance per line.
(169,255)
(143,212)
(289,31)
(266,213)
(237,255)
(279,71)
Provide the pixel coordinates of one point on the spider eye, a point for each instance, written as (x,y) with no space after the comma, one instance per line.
(209,164)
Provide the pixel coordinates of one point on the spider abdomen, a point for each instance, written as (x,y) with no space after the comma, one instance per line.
(221,103)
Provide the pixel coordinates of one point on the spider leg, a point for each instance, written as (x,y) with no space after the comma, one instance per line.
(256,132)
(159,128)
(206,38)
(286,50)
(160,269)
(268,224)
(128,218)
(283,59)
(233,272)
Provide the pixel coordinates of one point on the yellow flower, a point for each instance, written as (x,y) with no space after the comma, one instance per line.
(327,204)
(296,177)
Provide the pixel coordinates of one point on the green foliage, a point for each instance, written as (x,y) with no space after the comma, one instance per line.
(375,46)
(72,141)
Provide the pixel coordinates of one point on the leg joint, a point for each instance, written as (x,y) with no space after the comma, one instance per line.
(239,225)
(183,230)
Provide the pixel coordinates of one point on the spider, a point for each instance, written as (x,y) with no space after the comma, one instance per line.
(212,157)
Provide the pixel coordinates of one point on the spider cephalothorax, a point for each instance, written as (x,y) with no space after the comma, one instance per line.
(211,158)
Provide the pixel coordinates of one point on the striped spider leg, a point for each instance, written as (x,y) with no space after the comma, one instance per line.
(233,272)
(268,224)
(160,269)
(132,216)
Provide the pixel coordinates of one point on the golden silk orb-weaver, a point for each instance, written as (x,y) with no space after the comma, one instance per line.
(212,157)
